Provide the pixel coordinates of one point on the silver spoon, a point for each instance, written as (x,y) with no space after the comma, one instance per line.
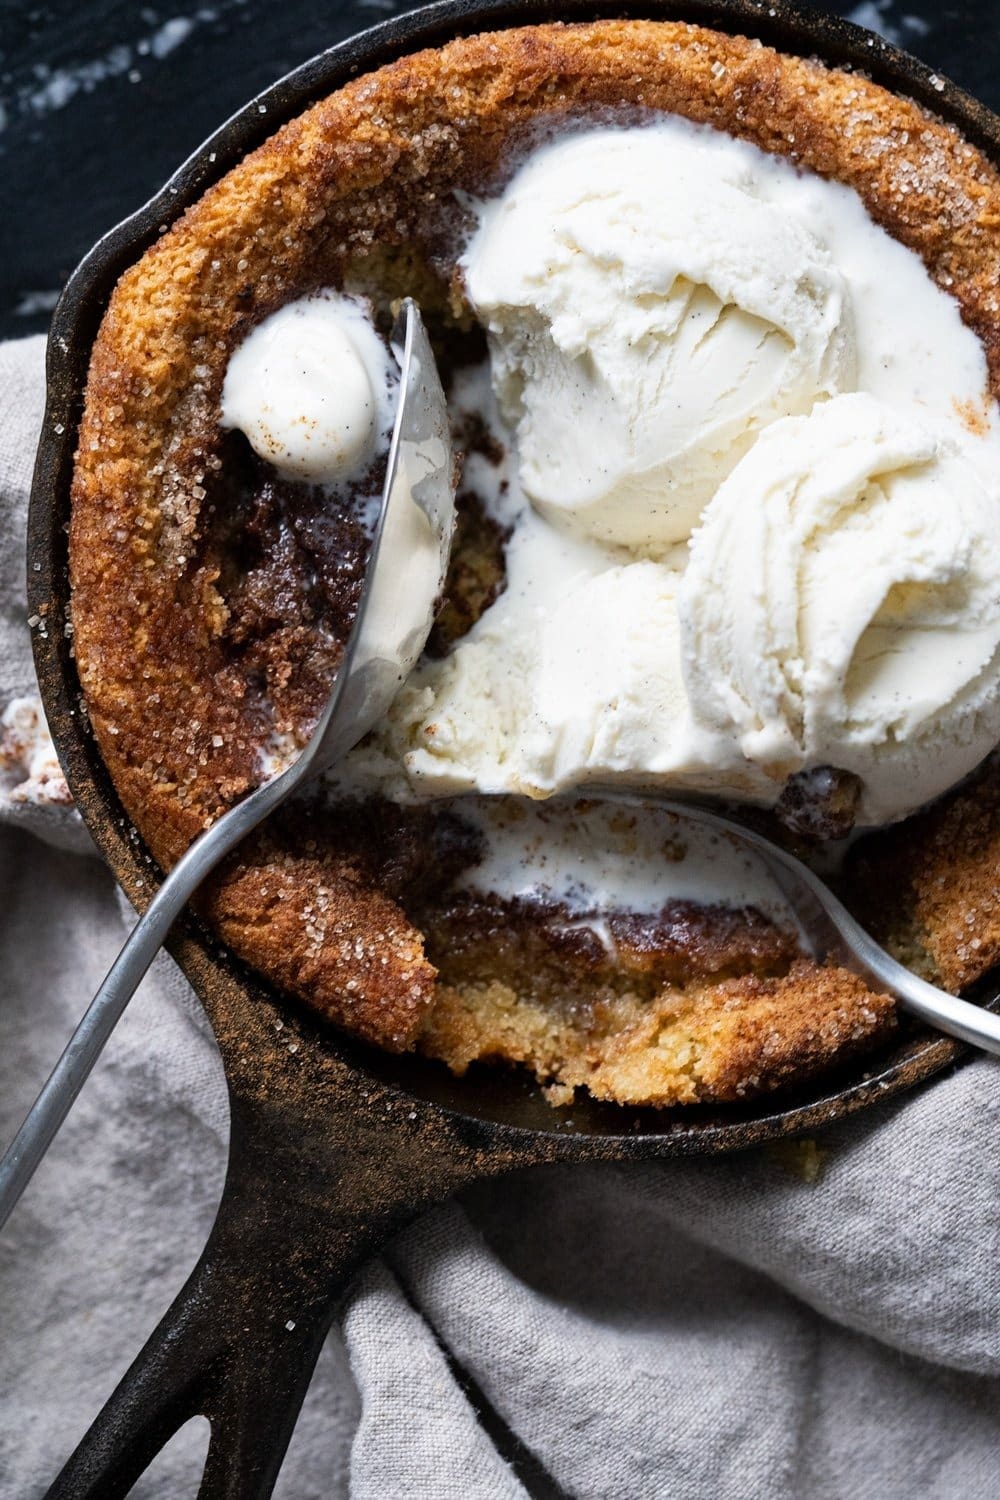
(832,933)
(404,577)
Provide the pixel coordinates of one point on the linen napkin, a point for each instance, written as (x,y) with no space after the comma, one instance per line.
(727,1329)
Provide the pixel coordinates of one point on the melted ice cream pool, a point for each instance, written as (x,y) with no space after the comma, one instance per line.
(602,857)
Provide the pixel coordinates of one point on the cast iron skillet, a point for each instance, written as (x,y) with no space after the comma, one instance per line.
(333,1146)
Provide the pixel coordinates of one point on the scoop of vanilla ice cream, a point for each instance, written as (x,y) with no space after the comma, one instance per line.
(588,687)
(841,605)
(310,389)
(549,698)
(648,314)
(607,686)
(457,724)
(584,689)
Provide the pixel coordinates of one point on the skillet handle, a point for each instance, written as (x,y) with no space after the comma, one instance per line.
(217,1352)
(241,1339)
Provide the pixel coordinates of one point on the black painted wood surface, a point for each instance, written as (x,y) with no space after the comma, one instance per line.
(101,99)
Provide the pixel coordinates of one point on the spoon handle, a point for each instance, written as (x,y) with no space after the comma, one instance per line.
(956,1017)
(862,954)
(46,1115)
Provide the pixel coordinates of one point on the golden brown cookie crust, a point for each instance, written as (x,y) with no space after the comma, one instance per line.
(368,168)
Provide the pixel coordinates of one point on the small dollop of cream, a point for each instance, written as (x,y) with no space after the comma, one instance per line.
(310,388)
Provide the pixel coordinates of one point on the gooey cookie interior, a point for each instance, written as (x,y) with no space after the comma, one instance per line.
(215,578)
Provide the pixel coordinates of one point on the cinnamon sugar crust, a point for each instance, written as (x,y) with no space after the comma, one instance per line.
(930,888)
(181,684)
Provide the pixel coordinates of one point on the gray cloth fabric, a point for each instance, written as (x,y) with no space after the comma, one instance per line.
(695,1329)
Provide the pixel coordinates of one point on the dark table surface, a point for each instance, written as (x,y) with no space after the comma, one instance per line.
(101,99)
